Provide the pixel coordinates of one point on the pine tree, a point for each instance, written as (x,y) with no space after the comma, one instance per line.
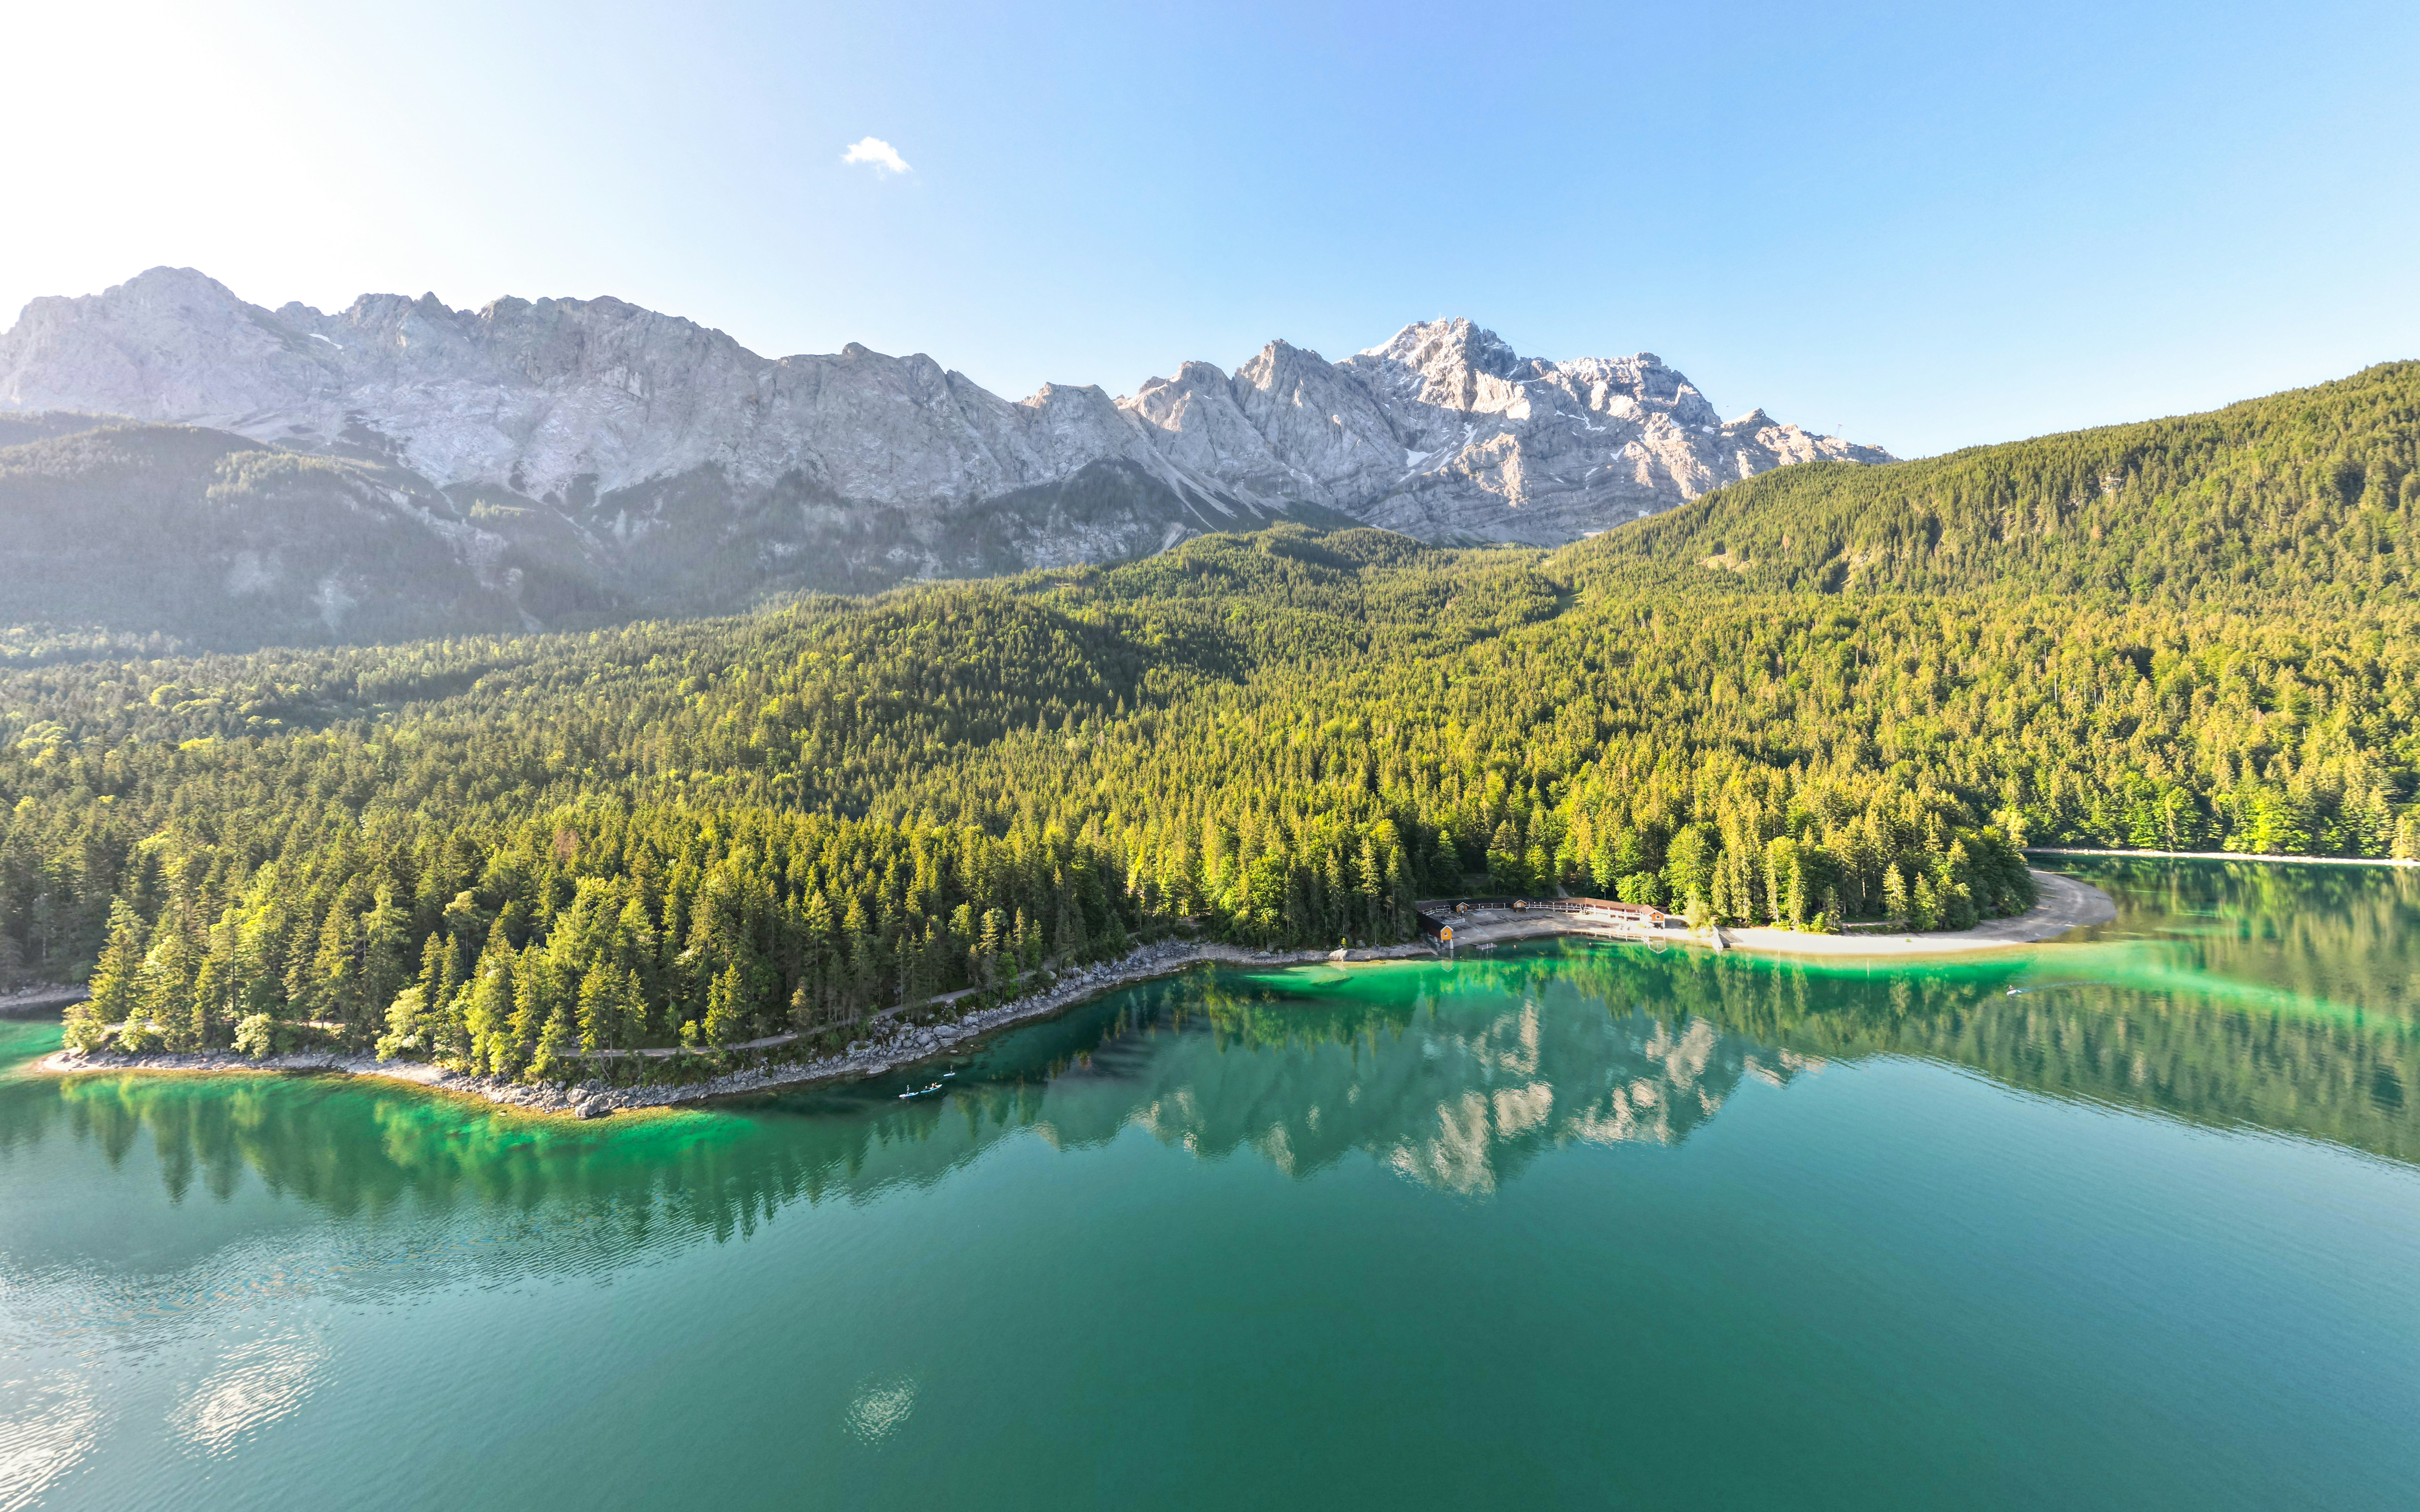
(1896,902)
(164,989)
(555,1037)
(600,1008)
(214,988)
(1444,872)
(488,1015)
(725,1014)
(386,953)
(113,999)
(1506,876)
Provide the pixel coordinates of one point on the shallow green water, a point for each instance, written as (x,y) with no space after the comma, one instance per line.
(1582,1226)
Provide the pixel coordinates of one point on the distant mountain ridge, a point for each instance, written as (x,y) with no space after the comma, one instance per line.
(1442,430)
(643,462)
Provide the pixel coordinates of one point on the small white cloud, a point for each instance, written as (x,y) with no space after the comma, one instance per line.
(877,152)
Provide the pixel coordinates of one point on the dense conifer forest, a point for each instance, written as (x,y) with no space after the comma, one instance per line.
(1821,695)
(2309,495)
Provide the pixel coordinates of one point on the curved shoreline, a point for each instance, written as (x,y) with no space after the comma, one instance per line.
(2065,904)
(903,1046)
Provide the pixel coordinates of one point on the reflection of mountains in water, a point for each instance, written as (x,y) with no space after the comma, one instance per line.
(1457,1080)
(1457,1086)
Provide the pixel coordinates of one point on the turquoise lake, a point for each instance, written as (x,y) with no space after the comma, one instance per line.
(1578,1225)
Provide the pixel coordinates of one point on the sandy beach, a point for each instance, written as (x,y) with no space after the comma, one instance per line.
(2066,904)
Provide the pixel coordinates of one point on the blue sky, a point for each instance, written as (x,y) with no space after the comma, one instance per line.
(1925,225)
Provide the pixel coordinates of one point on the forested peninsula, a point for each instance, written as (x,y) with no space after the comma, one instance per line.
(1827,693)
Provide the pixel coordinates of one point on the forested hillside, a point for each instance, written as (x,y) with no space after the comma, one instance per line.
(500,850)
(2311,493)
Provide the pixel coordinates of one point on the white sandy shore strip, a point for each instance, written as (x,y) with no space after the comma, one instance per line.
(2065,904)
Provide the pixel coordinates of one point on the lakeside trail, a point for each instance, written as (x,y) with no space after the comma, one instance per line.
(40,999)
(902,1045)
(2066,904)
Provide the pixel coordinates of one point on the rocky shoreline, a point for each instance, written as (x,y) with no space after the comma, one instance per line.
(905,1045)
(2066,904)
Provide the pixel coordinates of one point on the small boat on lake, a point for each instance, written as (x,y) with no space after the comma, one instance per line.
(920,1091)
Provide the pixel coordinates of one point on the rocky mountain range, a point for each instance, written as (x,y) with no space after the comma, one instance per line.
(401,466)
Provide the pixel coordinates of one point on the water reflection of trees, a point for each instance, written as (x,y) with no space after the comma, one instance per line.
(2336,934)
(2279,1068)
(427,1172)
(2235,995)
(2258,998)
(1457,1082)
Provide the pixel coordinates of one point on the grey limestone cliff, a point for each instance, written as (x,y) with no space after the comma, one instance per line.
(639,461)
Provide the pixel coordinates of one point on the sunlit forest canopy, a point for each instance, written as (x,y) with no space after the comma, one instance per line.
(499,850)
(2309,494)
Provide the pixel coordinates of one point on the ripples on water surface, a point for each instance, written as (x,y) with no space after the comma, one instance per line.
(2126,1221)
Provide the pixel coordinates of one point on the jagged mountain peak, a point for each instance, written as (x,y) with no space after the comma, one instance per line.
(1448,345)
(1280,356)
